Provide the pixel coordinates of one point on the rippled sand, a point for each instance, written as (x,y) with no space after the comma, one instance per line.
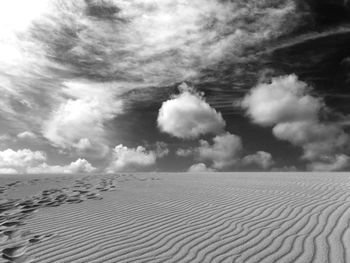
(231,217)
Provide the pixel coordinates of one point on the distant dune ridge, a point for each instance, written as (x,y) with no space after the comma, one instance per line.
(223,217)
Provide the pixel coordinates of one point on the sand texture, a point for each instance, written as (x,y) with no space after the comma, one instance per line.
(237,217)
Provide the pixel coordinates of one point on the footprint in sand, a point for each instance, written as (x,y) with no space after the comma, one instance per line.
(16,254)
(14,223)
(3,238)
(14,183)
(28,210)
(18,242)
(7,204)
(94,196)
(74,198)
(12,234)
(39,238)
(14,212)
(3,189)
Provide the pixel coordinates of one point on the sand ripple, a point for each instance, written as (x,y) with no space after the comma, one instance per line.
(255,218)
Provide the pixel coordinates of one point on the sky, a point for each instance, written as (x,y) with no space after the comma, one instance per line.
(107,86)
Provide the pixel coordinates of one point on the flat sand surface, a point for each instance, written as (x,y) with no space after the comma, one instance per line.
(224,217)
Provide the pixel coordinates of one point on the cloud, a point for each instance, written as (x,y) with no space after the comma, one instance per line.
(285,99)
(131,159)
(20,158)
(28,161)
(184,152)
(300,132)
(49,48)
(74,123)
(8,171)
(162,149)
(297,117)
(199,168)
(158,42)
(223,153)
(339,162)
(284,169)
(317,139)
(226,152)
(79,121)
(26,135)
(5,137)
(261,159)
(56,53)
(188,116)
(13,18)
(79,166)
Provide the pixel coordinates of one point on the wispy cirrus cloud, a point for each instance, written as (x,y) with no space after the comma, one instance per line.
(133,44)
(159,43)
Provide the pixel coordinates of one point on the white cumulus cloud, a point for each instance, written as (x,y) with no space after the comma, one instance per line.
(337,163)
(261,159)
(287,105)
(224,152)
(199,168)
(20,158)
(188,116)
(285,99)
(317,139)
(79,166)
(131,159)
(28,161)
(79,122)
(8,171)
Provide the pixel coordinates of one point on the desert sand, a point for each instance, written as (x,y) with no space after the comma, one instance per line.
(223,217)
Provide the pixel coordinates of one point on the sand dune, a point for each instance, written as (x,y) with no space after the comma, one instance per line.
(260,218)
